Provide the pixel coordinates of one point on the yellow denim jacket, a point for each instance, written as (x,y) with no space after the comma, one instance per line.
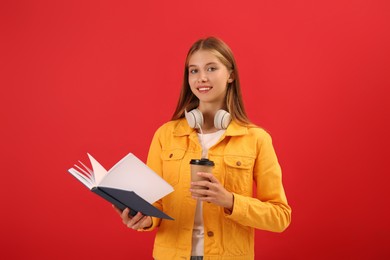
(243,156)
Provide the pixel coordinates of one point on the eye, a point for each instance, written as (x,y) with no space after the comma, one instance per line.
(193,71)
(210,69)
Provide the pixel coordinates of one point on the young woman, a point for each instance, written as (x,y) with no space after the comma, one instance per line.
(216,222)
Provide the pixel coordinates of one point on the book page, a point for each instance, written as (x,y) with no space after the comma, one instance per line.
(82,178)
(132,174)
(98,170)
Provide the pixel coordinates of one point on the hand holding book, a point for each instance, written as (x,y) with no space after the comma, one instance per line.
(135,222)
(129,184)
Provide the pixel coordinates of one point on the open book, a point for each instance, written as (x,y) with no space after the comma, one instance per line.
(129,184)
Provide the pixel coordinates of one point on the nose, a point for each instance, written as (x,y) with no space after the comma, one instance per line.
(202,77)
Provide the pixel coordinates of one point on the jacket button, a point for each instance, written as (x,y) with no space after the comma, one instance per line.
(210,233)
(238,163)
(170,156)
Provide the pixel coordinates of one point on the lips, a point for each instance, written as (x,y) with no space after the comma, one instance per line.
(204,89)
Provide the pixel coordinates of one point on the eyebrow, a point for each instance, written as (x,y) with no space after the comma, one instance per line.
(210,63)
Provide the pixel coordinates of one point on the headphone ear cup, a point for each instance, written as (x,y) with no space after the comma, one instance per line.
(222,119)
(194,118)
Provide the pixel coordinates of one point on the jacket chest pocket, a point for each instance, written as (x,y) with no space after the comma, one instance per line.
(239,174)
(171,162)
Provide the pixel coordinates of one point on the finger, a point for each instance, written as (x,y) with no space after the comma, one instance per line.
(125,215)
(209,176)
(145,221)
(134,220)
(199,193)
(202,185)
(212,178)
(206,175)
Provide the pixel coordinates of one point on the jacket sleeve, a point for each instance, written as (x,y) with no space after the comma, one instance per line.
(269,210)
(155,163)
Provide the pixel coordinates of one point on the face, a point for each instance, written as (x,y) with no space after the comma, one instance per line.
(208,78)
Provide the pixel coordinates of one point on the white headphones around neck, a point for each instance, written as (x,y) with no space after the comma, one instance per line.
(194,118)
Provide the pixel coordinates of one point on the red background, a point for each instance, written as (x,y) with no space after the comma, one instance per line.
(101,76)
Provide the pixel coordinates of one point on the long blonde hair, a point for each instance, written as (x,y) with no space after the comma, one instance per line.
(233,100)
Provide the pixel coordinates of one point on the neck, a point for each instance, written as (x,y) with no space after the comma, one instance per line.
(209,110)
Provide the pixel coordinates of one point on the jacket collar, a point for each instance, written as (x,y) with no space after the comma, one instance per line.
(234,129)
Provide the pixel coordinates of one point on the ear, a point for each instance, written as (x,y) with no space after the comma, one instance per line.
(231,78)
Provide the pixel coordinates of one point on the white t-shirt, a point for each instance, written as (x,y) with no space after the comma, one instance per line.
(206,140)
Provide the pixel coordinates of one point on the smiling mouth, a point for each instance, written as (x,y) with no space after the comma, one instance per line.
(204,89)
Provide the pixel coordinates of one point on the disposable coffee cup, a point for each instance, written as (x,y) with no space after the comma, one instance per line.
(200,165)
